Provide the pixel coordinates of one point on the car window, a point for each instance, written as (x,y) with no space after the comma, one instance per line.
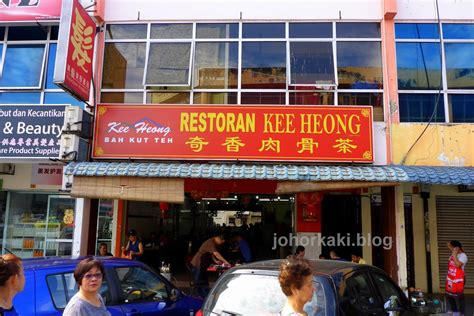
(250,294)
(63,286)
(140,284)
(390,293)
(359,296)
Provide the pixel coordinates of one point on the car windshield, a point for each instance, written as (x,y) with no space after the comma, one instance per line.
(251,294)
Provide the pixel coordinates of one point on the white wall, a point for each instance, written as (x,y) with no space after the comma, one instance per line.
(426,10)
(131,10)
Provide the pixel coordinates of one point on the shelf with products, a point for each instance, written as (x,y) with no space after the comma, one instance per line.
(28,239)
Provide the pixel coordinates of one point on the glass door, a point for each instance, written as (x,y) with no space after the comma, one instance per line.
(105,224)
(59,225)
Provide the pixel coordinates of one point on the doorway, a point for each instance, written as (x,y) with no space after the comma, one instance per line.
(341,224)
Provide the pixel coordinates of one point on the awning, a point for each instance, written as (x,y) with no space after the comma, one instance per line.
(414,174)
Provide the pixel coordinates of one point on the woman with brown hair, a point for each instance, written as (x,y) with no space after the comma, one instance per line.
(296,282)
(88,274)
(12,280)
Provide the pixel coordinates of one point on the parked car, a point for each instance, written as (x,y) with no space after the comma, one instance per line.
(129,288)
(342,288)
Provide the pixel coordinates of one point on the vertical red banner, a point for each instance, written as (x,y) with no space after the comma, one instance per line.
(73,68)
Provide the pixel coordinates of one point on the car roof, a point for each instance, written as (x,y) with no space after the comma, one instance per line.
(324,267)
(56,262)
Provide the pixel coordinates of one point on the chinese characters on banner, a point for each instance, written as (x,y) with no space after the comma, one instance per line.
(265,133)
(73,68)
(24,10)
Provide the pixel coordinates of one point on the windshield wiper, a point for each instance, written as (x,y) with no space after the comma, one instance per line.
(224,312)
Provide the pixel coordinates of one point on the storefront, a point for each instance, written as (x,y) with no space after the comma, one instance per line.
(36,217)
(181,114)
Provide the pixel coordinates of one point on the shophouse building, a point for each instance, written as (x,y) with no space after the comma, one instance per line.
(312,119)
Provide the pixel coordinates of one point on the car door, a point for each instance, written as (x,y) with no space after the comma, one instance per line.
(358,296)
(392,297)
(142,292)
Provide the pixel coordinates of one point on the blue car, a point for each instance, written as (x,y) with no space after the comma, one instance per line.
(129,288)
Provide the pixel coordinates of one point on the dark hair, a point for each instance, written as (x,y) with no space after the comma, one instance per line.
(293,271)
(10,265)
(456,243)
(356,252)
(103,244)
(85,266)
(299,249)
(132,232)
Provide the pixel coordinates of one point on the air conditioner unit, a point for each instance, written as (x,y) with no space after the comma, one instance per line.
(73,148)
(77,122)
(7,168)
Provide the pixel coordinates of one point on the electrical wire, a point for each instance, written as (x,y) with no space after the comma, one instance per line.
(435,109)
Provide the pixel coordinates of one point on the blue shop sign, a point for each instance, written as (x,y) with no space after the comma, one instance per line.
(31,131)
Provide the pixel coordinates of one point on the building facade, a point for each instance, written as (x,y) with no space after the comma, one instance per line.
(410,61)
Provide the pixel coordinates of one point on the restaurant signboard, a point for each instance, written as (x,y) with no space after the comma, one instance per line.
(252,133)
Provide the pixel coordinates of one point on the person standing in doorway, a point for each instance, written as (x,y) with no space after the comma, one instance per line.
(134,246)
(104,251)
(456,278)
(356,257)
(12,280)
(201,261)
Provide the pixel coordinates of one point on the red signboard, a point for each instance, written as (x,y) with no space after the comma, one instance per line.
(29,10)
(73,68)
(265,133)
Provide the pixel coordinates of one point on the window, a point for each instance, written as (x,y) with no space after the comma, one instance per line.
(139,284)
(216,65)
(311,98)
(281,63)
(357,30)
(168,64)
(416,30)
(359,65)
(310,30)
(390,293)
(23,66)
(420,50)
(373,99)
(215,98)
(311,63)
(418,66)
(458,31)
(125,31)
(124,65)
(421,107)
(253,294)
(263,65)
(26,75)
(214,30)
(460,65)
(461,108)
(359,297)
(62,287)
(263,30)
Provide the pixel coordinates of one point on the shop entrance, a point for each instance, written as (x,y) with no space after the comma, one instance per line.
(174,232)
(341,216)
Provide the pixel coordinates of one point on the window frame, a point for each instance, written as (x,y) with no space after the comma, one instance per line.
(444,90)
(288,89)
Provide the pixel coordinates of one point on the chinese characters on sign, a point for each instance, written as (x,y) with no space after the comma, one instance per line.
(234,132)
(73,69)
